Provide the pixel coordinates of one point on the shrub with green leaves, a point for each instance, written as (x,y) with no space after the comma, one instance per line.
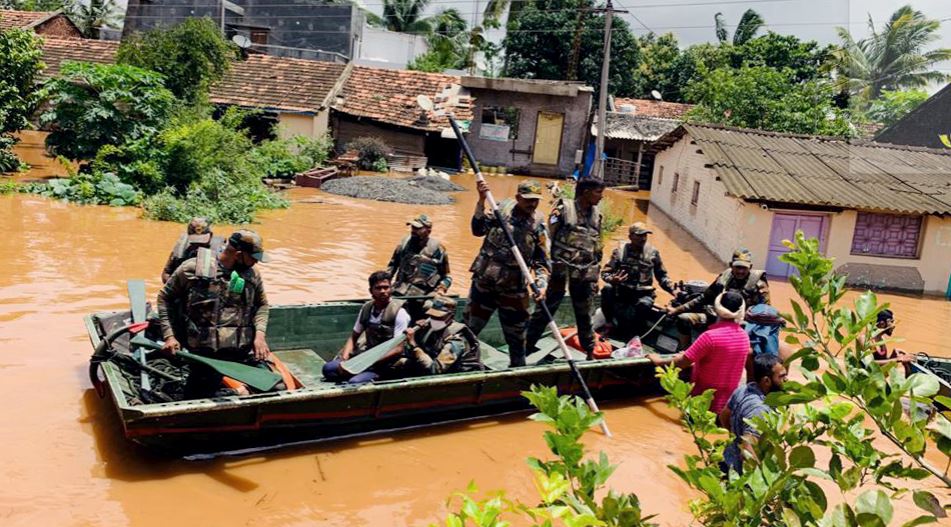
(20,62)
(284,158)
(194,149)
(90,188)
(215,197)
(371,153)
(94,105)
(190,56)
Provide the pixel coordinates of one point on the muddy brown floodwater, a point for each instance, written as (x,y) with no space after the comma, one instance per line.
(64,461)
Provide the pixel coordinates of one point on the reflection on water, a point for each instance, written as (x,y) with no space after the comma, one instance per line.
(65,461)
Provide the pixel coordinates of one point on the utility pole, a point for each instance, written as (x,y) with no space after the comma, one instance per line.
(223,19)
(597,171)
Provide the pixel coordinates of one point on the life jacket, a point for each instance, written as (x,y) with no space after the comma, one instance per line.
(379,332)
(420,270)
(184,250)
(639,267)
(749,291)
(602,348)
(578,241)
(216,317)
(468,360)
(495,263)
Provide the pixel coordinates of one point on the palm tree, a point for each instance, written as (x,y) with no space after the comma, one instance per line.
(894,58)
(750,23)
(96,15)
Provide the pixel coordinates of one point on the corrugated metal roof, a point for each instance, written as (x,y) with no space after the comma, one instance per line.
(795,169)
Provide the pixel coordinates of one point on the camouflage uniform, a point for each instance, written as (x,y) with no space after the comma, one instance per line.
(220,321)
(198,235)
(632,300)
(754,290)
(418,271)
(452,349)
(576,258)
(497,282)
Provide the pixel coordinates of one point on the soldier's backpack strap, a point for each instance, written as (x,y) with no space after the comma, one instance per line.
(404,243)
(570,212)
(206,263)
(181,247)
(392,309)
(217,244)
(364,316)
(756,276)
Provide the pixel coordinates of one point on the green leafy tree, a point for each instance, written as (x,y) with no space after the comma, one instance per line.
(92,17)
(750,23)
(538,45)
(895,57)
(655,69)
(893,105)
(34,5)
(191,56)
(807,59)
(450,45)
(690,66)
(93,105)
(20,62)
(767,99)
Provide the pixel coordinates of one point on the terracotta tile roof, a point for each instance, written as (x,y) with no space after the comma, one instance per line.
(263,81)
(389,96)
(23,19)
(57,50)
(652,108)
(798,169)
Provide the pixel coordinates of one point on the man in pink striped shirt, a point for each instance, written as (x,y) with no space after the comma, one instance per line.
(719,355)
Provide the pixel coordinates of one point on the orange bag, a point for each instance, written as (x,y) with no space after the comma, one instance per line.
(602,348)
(275,365)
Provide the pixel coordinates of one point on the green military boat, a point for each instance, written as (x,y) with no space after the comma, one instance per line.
(304,337)
(939,367)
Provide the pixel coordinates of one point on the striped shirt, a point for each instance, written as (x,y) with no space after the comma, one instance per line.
(718,357)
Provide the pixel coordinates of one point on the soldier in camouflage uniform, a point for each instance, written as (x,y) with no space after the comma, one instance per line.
(497,282)
(740,277)
(628,295)
(575,227)
(439,344)
(419,266)
(222,300)
(198,235)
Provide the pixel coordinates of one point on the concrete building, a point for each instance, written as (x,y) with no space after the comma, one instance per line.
(48,23)
(307,29)
(381,48)
(882,211)
(383,103)
(528,126)
(928,125)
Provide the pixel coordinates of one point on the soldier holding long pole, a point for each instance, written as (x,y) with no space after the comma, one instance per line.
(528,238)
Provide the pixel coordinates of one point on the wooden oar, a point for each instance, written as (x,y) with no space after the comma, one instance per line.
(363,361)
(139,309)
(552,325)
(257,378)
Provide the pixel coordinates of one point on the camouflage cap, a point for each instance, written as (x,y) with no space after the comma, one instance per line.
(199,225)
(442,306)
(742,258)
(530,189)
(420,221)
(639,228)
(249,242)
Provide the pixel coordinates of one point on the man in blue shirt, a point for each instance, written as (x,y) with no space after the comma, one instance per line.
(747,402)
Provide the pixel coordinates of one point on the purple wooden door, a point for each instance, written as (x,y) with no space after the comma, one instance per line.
(784,228)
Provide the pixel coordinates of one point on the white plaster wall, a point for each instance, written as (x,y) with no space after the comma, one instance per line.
(717,220)
(291,124)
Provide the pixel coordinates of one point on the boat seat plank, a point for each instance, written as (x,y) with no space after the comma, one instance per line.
(492,358)
(304,363)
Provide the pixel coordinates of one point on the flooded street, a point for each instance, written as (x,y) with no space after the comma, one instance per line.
(64,460)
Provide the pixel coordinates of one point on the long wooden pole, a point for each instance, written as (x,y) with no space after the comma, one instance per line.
(552,325)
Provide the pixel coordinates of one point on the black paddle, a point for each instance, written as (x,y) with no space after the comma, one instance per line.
(137,304)
(552,325)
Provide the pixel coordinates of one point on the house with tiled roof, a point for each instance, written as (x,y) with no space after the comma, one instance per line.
(632,127)
(51,23)
(882,211)
(928,125)
(296,94)
(383,103)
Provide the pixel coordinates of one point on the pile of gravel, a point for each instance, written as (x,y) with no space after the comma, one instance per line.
(436,183)
(386,189)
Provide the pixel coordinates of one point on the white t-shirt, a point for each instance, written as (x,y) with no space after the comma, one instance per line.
(399,325)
